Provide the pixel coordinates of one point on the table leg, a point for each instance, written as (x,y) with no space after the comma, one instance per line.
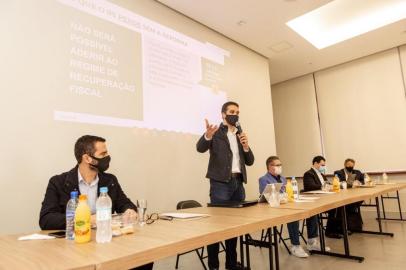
(346,255)
(270,249)
(242,250)
(397,197)
(247,251)
(379,219)
(275,242)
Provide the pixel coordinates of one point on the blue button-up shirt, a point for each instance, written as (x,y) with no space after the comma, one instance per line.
(90,190)
(271,179)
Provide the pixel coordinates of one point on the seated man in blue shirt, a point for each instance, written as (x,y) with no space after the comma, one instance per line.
(274,175)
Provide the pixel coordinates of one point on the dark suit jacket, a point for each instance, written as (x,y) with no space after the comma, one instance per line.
(221,157)
(358,175)
(52,215)
(311,181)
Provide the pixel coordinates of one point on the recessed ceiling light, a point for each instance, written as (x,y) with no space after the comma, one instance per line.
(340,20)
(241,23)
(281,46)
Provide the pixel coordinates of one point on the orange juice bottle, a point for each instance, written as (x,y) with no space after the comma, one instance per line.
(289,191)
(336,184)
(82,221)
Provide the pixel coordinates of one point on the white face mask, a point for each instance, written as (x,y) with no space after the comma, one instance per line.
(278,170)
(323,169)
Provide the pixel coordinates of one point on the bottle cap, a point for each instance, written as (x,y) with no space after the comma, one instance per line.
(82,197)
(74,194)
(104,190)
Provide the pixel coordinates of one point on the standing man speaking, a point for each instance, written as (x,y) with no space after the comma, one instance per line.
(229,153)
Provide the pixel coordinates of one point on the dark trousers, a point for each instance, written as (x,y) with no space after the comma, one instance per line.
(354,219)
(225,192)
(311,226)
(144,267)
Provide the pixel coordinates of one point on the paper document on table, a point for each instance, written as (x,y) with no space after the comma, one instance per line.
(389,183)
(300,201)
(184,215)
(319,192)
(36,236)
(302,197)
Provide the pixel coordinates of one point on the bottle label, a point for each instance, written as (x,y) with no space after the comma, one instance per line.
(103,214)
(70,214)
(295,193)
(82,227)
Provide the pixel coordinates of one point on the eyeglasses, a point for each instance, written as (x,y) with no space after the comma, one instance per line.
(155,216)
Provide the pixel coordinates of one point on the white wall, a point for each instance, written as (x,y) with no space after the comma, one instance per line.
(362,106)
(163,167)
(297,129)
(362,110)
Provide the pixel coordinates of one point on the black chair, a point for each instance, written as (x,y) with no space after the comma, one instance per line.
(199,251)
(187,204)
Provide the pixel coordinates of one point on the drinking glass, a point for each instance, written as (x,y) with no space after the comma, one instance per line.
(141,209)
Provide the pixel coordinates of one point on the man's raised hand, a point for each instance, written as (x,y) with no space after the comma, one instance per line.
(210,129)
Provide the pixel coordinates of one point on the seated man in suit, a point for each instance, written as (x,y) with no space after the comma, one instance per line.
(86,178)
(352,177)
(274,175)
(314,179)
(349,174)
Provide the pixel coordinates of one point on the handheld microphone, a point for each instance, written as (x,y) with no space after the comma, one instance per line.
(238,126)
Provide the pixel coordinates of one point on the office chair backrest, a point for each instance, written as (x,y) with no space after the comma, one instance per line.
(187,204)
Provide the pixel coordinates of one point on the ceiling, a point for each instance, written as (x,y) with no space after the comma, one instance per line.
(264,30)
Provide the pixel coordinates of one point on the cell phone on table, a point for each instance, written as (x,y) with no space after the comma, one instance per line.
(58,234)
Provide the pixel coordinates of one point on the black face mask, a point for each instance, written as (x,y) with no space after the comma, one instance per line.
(232,119)
(102,163)
(349,169)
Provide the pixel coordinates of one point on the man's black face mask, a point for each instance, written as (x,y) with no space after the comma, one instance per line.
(232,119)
(102,163)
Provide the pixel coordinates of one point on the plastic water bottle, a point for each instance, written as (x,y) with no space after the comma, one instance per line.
(103,217)
(274,198)
(70,215)
(295,188)
(385,178)
(367,180)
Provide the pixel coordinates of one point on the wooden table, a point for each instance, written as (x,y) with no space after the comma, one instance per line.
(149,243)
(330,201)
(167,238)
(45,254)
(340,200)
